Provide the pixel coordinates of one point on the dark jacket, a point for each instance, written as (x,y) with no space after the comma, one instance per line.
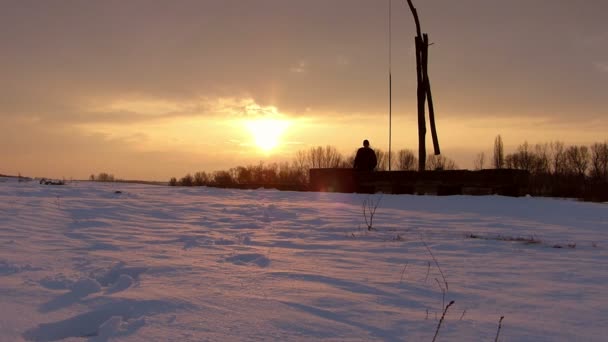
(365,159)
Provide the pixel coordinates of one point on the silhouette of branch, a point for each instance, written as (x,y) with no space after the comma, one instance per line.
(403,272)
(499,326)
(415,14)
(438,267)
(441,320)
(369,204)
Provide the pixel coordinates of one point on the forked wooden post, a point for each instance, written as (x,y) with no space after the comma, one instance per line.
(421,96)
(423,92)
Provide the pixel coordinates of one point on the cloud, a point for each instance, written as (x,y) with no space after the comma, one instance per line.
(300,68)
(594,39)
(135,109)
(37,149)
(240,107)
(603,67)
(343,61)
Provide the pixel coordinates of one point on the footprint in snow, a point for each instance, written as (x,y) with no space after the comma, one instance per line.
(124,282)
(259,260)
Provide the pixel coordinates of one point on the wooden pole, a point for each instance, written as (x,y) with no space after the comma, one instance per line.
(421,96)
(415,14)
(423,92)
(429,95)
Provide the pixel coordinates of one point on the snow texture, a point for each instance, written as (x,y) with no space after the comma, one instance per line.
(78,262)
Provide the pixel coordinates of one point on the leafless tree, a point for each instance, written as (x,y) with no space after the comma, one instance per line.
(323,157)
(434,162)
(382,158)
(526,157)
(290,175)
(243,175)
(577,159)
(201,178)
(558,157)
(541,159)
(406,160)
(105,177)
(599,161)
(187,180)
(222,178)
(523,159)
(479,161)
(350,160)
(300,159)
(499,153)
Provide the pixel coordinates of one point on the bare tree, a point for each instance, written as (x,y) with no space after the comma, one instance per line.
(406,160)
(434,162)
(323,157)
(187,180)
(300,159)
(382,158)
(479,161)
(599,161)
(577,159)
(222,178)
(290,175)
(243,175)
(268,174)
(542,160)
(350,160)
(201,178)
(499,153)
(105,177)
(525,157)
(558,158)
(300,164)
(392,159)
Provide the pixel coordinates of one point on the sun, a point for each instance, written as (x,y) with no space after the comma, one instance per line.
(267,132)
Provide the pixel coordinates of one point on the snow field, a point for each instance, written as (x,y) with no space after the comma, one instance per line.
(81,262)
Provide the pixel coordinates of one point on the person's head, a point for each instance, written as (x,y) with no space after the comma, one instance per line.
(366,143)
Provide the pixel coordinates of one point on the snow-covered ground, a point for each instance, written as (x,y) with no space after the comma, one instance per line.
(155,263)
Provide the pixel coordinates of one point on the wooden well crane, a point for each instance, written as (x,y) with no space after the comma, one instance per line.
(423,92)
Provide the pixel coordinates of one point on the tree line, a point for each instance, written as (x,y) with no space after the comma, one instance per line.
(556,169)
(553,158)
(102,177)
(295,173)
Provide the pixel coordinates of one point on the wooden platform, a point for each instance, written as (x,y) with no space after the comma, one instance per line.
(506,182)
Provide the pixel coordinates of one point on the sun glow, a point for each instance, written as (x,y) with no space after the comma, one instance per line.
(267,132)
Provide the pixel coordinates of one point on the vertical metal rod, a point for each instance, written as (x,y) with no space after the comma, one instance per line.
(390,84)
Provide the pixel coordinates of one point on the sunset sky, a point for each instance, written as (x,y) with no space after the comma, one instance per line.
(155,89)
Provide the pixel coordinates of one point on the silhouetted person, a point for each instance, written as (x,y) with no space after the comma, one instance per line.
(366,158)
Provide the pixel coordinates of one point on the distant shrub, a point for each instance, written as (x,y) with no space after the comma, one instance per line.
(201,178)
(406,160)
(187,180)
(104,177)
(222,179)
(440,162)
